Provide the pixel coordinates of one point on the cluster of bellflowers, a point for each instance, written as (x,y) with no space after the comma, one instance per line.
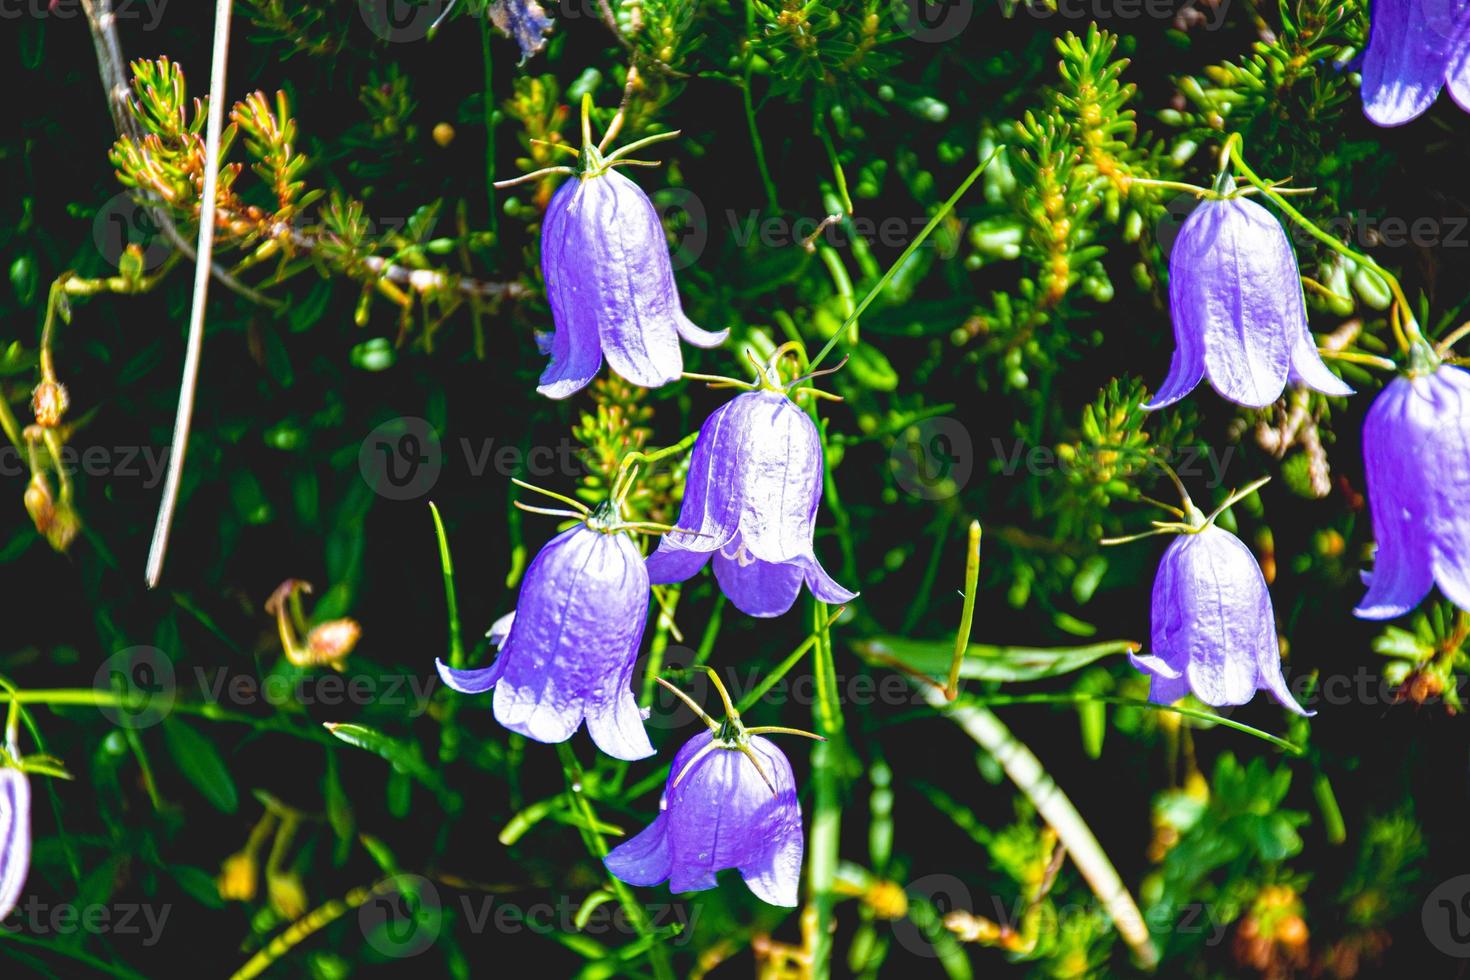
(567,652)
(1239,320)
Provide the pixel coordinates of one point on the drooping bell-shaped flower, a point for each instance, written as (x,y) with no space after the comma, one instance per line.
(730,802)
(750,502)
(15,836)
(568,652)
(524,22)
(1416,455)
(1235,298)
(609,280)
(1213,631)
(1415,48)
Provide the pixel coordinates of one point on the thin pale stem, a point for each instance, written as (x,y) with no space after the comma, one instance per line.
(204,255)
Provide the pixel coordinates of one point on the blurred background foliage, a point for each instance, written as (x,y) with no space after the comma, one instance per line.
(997,376)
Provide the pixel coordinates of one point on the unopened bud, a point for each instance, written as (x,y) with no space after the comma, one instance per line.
(49,401)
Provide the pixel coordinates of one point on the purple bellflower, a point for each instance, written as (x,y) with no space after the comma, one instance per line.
(730,802)
(569,648)
(1235,298)
(605,261)
(15,823)
(1416,454)
(15,837)
(524,22)
(1213,631)
(750,502)
(1415,48)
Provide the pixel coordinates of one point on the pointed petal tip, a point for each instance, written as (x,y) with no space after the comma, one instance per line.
(476,681)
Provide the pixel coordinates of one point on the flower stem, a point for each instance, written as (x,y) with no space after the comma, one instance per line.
(913,246)
(658,956)
(826,826)
(1404,319)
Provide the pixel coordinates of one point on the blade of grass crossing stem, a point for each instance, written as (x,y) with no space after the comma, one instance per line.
(913,246)
(451,604)
(967,615)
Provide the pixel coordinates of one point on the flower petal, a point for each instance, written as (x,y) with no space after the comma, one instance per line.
(775,875)
(1233,282)
(1444,457)
(822,585)
(711,508)
(698,336)
(638,303)
(670,563)
(1410,46)
(616,726)
(644,859)
(15,837)
(576,352)
(758,588)
(1308,368)
(476,681)
(780,474)
(1402,567)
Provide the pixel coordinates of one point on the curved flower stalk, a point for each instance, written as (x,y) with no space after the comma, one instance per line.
(1416,454)
(605,261)
(750,503)
(1235,298)
(1213,629)
(730,802)
(567,652)
(1415,48)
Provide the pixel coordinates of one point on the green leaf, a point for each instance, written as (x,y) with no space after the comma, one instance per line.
(986,663)
(201,762)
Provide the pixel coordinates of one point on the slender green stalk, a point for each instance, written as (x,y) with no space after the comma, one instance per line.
(913,246)
(749,103)
(658,955)
(826,824)
(451,604)
(967,614)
